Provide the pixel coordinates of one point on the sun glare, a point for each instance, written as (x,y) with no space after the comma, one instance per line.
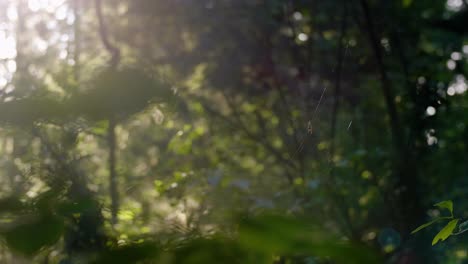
(7,46)
(47,5)
(40,12)
(454,5)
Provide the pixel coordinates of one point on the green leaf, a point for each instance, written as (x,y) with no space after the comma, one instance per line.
(426,225)
(445,232)
(446,204)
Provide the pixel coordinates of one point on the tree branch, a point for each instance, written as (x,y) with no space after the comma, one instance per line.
(113,50)
(389,96)
(115,58)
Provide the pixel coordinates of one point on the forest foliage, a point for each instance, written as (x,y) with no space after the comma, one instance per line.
(222,131)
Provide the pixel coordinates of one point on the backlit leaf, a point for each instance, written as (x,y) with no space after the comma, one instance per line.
(446,204)
(445,232)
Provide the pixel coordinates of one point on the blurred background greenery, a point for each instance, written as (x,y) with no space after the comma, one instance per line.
(231,131)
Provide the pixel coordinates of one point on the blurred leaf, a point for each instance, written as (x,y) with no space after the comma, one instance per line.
(463,226)
(30,237)
(214,250)
(119,93)
(100,128)
(427,224)
(10,204)
(407,3)
(282,235)
(28,110)
(445,232)
(129,254)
